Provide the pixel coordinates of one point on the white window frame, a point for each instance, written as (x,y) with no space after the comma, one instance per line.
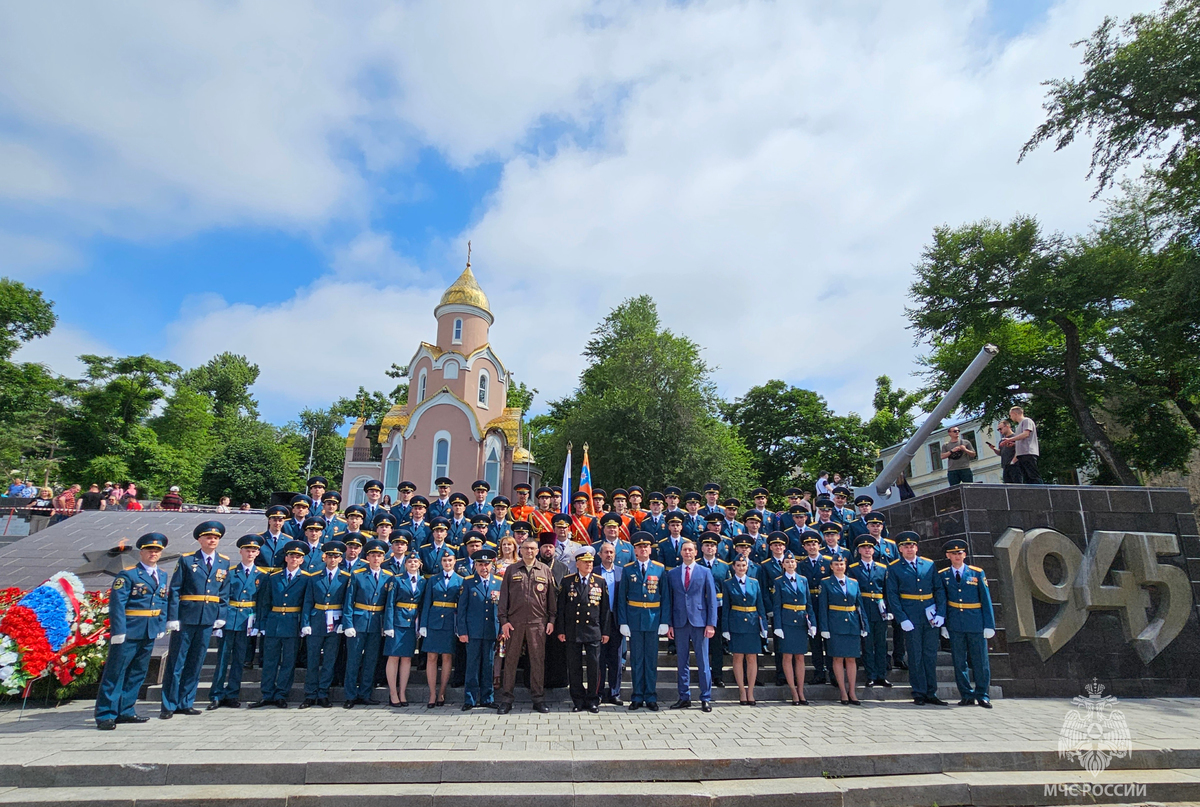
(395,454)
(485,388)
(456,331)
(421,378)
(355,493)
(492,445)
(435,471)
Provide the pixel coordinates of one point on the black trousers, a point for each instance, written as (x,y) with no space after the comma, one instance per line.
(1012,474)
(1029,471)
(611,664)
(583,694)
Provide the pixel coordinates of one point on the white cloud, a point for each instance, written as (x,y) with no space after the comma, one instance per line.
(61,348)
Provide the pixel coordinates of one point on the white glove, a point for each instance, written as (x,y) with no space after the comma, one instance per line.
(118,639)
(389,633)
(988,633)
(945,633)
(889,616)
(938,621)
(218,632)
(779,632)
(159,636)
(762,634)
(625,631)
(825,634)
(351,633)
(252,631)
(907,626)
(422,632)
(306,631)
(728,638)
(662,629)
(220,623)
(882,607)
(812,630)
(863,634)
(339,630)
(174,625)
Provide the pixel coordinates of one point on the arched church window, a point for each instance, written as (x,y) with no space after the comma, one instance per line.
(421,386)
(441,456)
(483,388)
(458,331)
(391,469)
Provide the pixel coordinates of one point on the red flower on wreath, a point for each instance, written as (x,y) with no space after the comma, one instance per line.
(22,625)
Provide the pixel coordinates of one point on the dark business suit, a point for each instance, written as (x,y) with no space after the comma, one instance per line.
(693,608)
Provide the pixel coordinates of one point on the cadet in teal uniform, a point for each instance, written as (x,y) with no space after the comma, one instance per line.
(354,544)
(458,524)
(270,556)
(668,547)
(875,525)
(432,552)
(831,531)
(356,516)
(314,531)
(317,485)
(476,625)
(335,525)
(824,508)
(815,567)
(199,598)
(768,575)
(244,581)
(795,624)
(418,525)
(440,507)
(480,506)
(438,610)
(910,597)
(795,515)
(843,625)
(498,525)
(362,615)
(965,603)
(401,617)
(280,601)
(321,622)
(766,517)
(641,604)
(301,507)
(694,524)
(373,490)
(872,584)
(795,530)
(137,615)
(709,543)
(744,625)
(402,509)
(730,526)
(741,549)
(400,541)
(843,514)
(752,521)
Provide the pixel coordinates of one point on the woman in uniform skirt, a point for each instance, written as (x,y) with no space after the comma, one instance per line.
(843,625)
(743,624)
(438,609)
(794,623)
(403,609)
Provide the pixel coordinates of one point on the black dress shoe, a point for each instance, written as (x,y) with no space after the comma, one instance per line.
(705,706)
(652,706)
(213,706)
(165,715)
(324,703)
(261,704)
(936,701)
(717,682)
(106,725)
(919,701)
(594,708)
(281,703)
(985,703)
(869,684)
(375,701)
(635,705)
(231,703)
(188,711)
(308,703)
(681,704)
(466,707)
(431,705)
(967,702)
(349,704)
(541,707)
(855,702)
(504,708)
(576,708)
(617,702)
(132,719)
(900,665)
(883,682)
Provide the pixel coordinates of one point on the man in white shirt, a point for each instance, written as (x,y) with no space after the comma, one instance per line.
(1025,439)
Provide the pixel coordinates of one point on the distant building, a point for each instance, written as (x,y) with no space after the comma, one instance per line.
(455,423)
(927,471)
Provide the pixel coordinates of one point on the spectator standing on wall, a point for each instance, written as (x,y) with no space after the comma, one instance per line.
(1025,440)
(223,507)
(1007,454)
(92,500)
(959,452)
(823,488)
(172,500)
(64,504)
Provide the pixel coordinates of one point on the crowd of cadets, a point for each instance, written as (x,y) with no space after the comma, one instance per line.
(350,588)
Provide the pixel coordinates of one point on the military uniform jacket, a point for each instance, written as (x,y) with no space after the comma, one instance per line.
(667,552)
(966,603)
(458,531)
(280,603)
(365,600)
(694,527)
(814,573)
(583,612)
(858,528)
(323,597)
(199,595)
(243,596)
(872,586)
(643,597)
(394,566)
(837,549)
(402,513)
(910,592)
(404,602)
(761,549)
(369,520)
(270,554)
(421,534)
(294,529)
(477,509)
(792,603)
(476,617)
(431,557)
(334,527)
(314,561)
(841,612)
(721,571)
(624,551)
(497,530)
(794,542)
(436,508)
(137,606)
(656,526)
(770,521)
(731,529)
(768,573)
(440,605)
(744,610)
(527,594)
(705,510)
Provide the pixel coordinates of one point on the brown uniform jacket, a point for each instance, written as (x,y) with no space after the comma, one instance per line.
(527,595)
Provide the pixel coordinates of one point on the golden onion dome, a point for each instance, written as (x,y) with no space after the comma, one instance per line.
(522,455)
(466,291)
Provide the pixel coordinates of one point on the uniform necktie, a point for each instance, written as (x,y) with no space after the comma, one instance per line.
(376,576)
(447,579)
(154,575)
(868,570)
(643,569)
(331,578)
(687,576)
(208,562)
(957,576)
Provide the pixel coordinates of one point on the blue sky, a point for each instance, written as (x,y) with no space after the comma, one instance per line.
(187,179)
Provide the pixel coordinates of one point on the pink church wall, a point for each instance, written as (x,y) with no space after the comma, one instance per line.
(474,335)
(464,451)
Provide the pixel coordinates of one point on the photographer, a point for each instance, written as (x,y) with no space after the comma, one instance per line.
(959,454)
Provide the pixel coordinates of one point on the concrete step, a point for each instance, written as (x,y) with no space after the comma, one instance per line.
(905,790)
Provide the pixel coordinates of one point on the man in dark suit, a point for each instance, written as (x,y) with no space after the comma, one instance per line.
(584,624)
(693,618)
(612,653)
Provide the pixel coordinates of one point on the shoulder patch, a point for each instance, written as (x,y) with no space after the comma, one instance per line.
(627,565)
(276,571)
(119,582)
(469,577)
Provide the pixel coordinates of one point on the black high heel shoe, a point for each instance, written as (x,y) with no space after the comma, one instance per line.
(431,705)
(855,702)
(441,702)
(802,702)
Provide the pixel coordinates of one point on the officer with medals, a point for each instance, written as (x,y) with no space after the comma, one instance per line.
(480,506)
(280,602)
(872,583)
(362,616)
(910,597)
(199,599)
(710,541)
(137,615)
(584,622)
(965,603)
(477,626)
(814,567)
(321,622)
(244,581)
(270,556)
(640,607)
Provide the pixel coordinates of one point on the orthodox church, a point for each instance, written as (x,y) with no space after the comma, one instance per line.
(455,422)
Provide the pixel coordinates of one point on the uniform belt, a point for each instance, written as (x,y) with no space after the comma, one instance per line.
(745,608)
(320,606)
(199,598)
(242,603)
(965,605)
(872,596)
(444,604)
(282,610)
(406,605)
(154,612)
(788,607)
(633,604)
(916,596)
(372,608)
(848,608)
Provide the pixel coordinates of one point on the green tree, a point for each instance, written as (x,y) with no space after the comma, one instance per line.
(254,463)
(315,431)
(519,396)
(646,407)
(892,422)
(226,379)
(24,315)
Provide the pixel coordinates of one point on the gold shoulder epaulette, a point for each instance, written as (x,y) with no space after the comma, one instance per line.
(977,569)
(222,557)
